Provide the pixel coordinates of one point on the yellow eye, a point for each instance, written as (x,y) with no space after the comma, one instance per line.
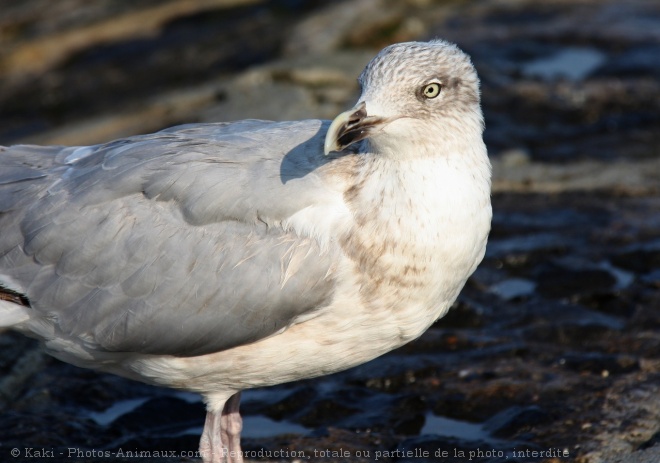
(431,90)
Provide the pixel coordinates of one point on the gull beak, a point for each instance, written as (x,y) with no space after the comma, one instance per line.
(351,126)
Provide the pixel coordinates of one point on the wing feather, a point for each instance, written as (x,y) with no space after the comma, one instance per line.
(168,243)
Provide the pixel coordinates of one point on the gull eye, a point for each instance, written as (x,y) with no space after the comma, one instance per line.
(431,90)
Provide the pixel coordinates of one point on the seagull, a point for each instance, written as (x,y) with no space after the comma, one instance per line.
(220,257)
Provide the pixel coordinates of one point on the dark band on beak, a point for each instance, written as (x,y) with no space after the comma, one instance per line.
(350,127)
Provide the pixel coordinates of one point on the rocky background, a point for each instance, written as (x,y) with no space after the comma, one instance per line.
(554,345)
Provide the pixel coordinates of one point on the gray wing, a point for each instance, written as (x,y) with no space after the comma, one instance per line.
(168,243)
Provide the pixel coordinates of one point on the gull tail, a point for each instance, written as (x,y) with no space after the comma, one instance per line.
(13,308)
(24,171)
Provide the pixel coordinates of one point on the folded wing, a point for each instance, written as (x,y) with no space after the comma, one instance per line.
(170,243)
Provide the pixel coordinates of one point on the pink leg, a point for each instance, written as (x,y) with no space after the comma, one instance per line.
(232,424)
(210,445)
(221,438)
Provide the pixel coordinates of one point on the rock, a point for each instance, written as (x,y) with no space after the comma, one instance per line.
(43,52)
(635,61)
(641,177)
(562,281)
(514,158)
(513,288)
(291,89)
(514,420)
(631,417)
(361,23)
(601,364)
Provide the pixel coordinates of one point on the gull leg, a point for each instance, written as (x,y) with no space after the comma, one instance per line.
(231,426)
(210,445)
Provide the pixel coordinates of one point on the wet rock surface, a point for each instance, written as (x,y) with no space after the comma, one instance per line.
(551,353)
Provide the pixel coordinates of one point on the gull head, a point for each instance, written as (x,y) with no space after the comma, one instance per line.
(413,94)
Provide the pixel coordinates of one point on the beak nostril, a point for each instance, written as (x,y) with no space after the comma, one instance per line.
(359,114)
(350,127)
